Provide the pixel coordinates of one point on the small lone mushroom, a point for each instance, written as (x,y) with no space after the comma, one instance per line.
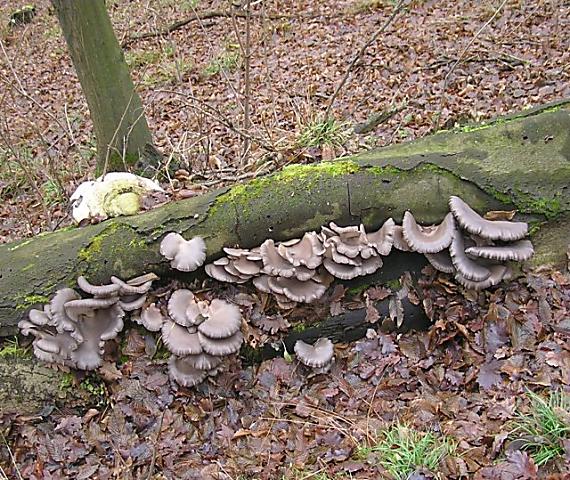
(318,355)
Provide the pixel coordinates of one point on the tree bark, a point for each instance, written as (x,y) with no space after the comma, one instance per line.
(123,137)
(520,163)
(27,386)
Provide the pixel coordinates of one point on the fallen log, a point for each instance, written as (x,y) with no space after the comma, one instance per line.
(520,162)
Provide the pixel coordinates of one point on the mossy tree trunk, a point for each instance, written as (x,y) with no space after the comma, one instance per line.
(518,163)
(124,140)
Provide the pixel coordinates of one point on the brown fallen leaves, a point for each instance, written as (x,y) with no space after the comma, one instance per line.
(465,377)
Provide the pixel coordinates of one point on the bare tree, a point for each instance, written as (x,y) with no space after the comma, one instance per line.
(124,140)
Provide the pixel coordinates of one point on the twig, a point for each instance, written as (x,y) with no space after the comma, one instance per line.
(454,66)
(212,112)
(360,54)
(153,460)
(12,459)
(218,14)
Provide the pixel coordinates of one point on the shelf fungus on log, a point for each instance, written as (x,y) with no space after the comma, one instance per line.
(300,270)
(72,330)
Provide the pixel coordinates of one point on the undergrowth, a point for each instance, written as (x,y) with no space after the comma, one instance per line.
(543,428)
(317,133)
(402,450)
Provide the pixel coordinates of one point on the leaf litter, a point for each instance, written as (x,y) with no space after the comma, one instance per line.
(465,377)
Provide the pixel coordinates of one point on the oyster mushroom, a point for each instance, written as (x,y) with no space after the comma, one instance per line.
(347,272)
(468,268)
(180,340)
(428,239)
(182,371)
(383,239)
(93,329)
(184,309)
(471,221)
(307,251)
(297,290)
(398,239)
(98,290)
(273,263)
(150,318)
(498,273)
(222,320)
(185,255)
(517,251)
(317,355)
(223,346)
(441,261)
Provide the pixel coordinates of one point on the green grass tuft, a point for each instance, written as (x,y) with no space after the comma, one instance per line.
(11,348)
(402,450)
(328,132)
(544,427)
(227,61)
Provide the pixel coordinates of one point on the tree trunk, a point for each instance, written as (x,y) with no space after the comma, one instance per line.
(123,137)
(520,162)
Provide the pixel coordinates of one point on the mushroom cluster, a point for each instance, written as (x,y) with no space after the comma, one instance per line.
(467,245)
(71,330)
(319,356)
(198,334)
(300,270)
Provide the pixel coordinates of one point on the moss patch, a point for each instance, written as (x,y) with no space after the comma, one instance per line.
(242,194)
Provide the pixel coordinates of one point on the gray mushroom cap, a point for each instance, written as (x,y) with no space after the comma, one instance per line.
(347,272)
(130,305)
(441,261)
(61,319)
(151,318)
(126,288)
(262,283)
(317,355)
(398,239)
(468,268)
(273,263)
(91,334)
(180,340)
(223,320)
(97,290)
(183,308)
(54,348)
(222,346)
(203,361)
(87,307)
(498,274)
(428,239)
(383,239)
(307,251)
(471,221)
(185,255)
(182,371)
(221,274)
(297,290)
(518,251)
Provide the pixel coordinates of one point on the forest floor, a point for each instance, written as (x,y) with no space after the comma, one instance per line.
(466,384)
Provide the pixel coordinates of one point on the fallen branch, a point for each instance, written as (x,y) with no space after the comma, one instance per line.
(516,162)
(218,14)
